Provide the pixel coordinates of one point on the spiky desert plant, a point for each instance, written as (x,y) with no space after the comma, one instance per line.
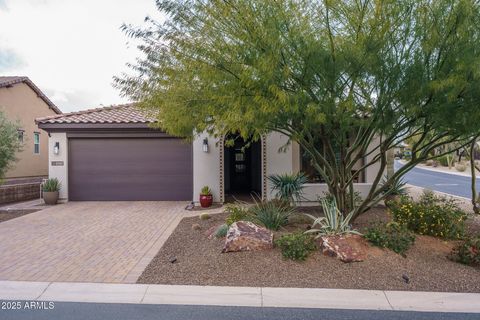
(288,187)
(332,223)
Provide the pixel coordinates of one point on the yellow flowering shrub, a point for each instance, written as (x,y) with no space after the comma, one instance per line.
(431,215)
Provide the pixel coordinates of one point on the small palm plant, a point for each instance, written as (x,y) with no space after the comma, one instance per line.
(332,223)
(288,187)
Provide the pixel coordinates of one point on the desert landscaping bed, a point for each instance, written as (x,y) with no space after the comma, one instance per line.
(199,261)
(6,215)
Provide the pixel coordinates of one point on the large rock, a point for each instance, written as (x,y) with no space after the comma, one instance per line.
(347,248)
(246,236)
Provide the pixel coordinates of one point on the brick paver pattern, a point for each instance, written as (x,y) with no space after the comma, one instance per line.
(87,241)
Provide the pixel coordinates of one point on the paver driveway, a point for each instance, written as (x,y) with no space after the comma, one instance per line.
(86,241)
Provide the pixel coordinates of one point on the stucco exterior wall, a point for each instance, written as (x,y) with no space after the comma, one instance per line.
(20,103)
(58,164)
(206,167)
(278,161)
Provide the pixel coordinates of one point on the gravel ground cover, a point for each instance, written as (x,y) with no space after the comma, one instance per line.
(199,262)
(12,214)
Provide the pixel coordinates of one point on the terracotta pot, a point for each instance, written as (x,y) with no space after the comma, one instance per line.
(206,200)
(50,198)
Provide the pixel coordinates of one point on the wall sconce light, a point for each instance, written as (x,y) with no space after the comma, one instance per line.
(205,145)
(56,148)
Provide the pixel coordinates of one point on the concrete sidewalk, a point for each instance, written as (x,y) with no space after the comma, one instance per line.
(241,296)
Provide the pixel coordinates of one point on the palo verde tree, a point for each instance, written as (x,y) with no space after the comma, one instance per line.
(9,144)
(347,80)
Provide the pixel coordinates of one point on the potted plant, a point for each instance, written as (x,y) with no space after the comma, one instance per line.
(206,198)
(50,191)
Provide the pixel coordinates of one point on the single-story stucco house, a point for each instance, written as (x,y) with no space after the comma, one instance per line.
(112,153)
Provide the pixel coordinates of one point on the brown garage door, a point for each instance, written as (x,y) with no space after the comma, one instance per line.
(130,169)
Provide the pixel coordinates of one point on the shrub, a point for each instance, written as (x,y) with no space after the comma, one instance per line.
(468,252)
(288,187)
(51,185)
(296,246)
(235,213)
(431,215)
(221,231)
(271,214)
(443,160)
(333,222)
(393,236)
(460,167)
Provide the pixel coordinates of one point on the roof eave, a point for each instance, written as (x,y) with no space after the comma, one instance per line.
(76,126)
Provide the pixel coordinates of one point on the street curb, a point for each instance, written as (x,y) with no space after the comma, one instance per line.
(439,192)
(241,296)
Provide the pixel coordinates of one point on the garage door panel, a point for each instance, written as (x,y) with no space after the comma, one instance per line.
(130,169)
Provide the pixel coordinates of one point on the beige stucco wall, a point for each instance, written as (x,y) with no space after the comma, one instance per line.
(278,161)
(20,103)
(59,171)
(206,167)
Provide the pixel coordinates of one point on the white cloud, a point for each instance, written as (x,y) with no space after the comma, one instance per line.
(71,49)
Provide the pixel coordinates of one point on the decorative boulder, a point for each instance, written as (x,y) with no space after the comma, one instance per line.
(246,236)
(347,248)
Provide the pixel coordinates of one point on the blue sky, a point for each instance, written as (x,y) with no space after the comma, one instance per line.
(71,49)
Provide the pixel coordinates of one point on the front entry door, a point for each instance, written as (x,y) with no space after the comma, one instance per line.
(240,160)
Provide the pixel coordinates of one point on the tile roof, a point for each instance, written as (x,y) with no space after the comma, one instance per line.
(125,113)
(9,81)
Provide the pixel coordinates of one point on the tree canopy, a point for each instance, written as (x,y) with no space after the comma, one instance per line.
(344,79)
(9,144)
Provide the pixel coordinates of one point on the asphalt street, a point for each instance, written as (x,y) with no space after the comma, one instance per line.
(444,182)
(92,311)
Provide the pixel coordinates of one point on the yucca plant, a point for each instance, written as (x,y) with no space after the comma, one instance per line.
(332,223)
(51,185)
(288,187)
(271,214)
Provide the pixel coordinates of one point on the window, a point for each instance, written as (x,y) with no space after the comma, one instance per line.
(36,142)
(312,175)
(20,136)
(306,167)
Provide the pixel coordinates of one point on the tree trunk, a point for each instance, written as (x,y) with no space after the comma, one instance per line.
(475,196)
(390,163)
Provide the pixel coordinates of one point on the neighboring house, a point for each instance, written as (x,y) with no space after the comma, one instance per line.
(111,153)
(22,101)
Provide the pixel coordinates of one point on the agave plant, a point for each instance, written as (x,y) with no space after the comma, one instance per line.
(288,187)
(332,223)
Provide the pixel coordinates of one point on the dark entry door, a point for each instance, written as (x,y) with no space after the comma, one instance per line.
(244,166)
(130,169)
(240,159)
